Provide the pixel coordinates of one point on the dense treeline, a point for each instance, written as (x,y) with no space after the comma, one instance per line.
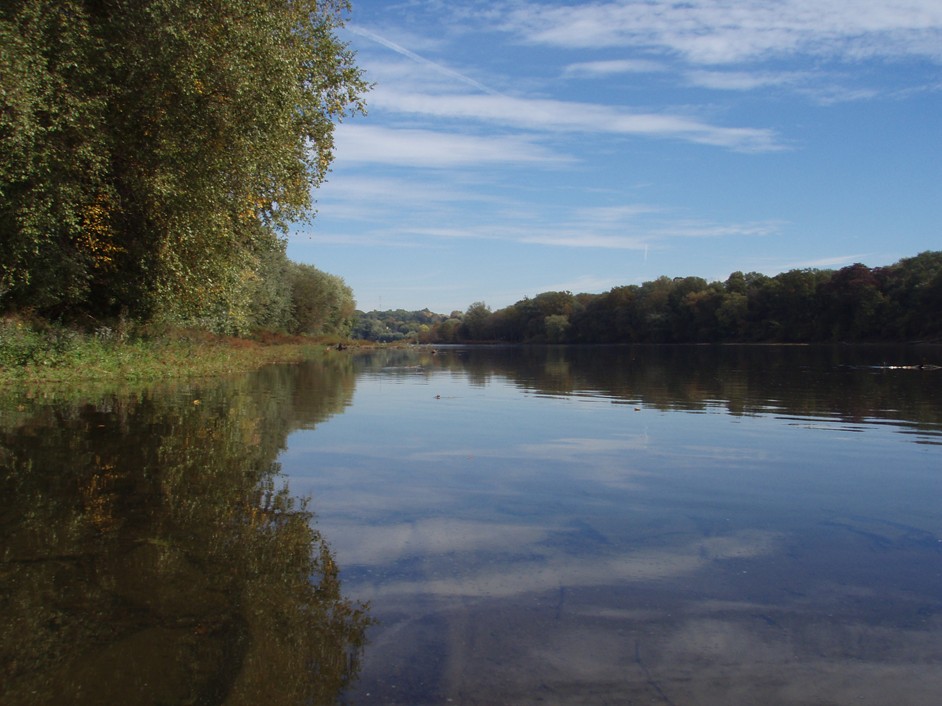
(901,302)
(401,325)
(153,153)
(299,299)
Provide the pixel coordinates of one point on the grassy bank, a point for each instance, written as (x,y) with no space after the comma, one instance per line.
(37,352)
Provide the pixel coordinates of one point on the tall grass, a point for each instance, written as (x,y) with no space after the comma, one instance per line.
(36,351)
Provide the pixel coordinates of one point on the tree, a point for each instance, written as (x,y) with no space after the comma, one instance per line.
(797,307)
(270,293)
(686,306)
(556,325)
(152,151)
(475,324)
(448,330)
(531,314)
(853,298)
(913,288)
(653,306)
(323,303)
(731,317)
(54,228)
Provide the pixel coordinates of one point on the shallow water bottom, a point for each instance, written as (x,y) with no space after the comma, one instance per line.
(821,623)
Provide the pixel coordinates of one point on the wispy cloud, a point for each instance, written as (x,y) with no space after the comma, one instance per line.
(834,94)
(385,544)
(826,262)
(436,66)
(422,93)
(413,208)
(613,216)
(429,148)
(743,80)
(380,208)
(639,227)
(822,87)
(699,229)
(643,238)
(549,569)
(568,116)
(771,266)
(640,237)
(583,283)
(715,31)
(602,69)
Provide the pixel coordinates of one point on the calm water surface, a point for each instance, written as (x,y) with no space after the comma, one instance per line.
(685,525)
(655,525)
(151,552)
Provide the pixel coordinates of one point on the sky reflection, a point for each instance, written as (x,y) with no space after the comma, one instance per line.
(518,547)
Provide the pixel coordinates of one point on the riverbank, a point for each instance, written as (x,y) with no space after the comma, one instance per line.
(37,353)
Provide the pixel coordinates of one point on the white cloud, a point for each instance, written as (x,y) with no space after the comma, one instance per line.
(382,210)
(699,229)
(421,87)
(428,148)
(386,544)
(600,69)
(580,239)
(640,236)
(643,239)
(358,189)
(716,31)
(637,227)
(743,80)
(613,215)
(583,283)
(411,211)
(826,262)
(550,569)
(831,95)
(436,66)
(566,116)
(773,267)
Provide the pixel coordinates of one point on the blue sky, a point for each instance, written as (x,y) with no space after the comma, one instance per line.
(513,148)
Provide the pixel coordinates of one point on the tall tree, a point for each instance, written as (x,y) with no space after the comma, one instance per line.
(153,150)
(476,322)
(53,154)
(323,303)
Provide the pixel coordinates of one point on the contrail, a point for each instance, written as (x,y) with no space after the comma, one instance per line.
(399,49)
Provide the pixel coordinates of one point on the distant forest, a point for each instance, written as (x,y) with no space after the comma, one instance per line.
(901,302)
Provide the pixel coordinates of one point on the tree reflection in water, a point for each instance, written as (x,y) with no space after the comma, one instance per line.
(150,554)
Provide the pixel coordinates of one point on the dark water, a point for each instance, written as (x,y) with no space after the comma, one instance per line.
(151,553)
(677,525)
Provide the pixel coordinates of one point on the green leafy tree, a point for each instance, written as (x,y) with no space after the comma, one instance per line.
(270,298)
(913,288)
(151,152)
(653,304)
(556,325)
(323,303)
(687,305)
(55,233)
(731,317)
(853,300)
(449,330)
(476,323)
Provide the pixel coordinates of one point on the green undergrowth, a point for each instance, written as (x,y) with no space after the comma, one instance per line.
(38,352)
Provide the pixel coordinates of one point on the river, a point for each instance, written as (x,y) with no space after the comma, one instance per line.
(486,525)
